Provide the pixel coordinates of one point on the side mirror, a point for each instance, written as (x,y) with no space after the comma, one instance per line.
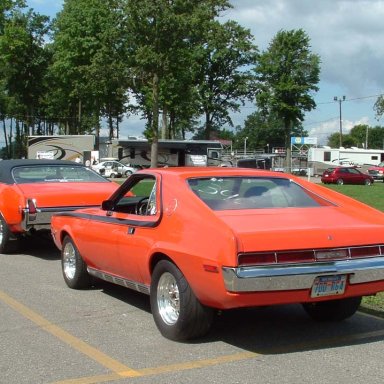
(107,205)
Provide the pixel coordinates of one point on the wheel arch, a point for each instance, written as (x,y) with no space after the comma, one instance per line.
(156,257)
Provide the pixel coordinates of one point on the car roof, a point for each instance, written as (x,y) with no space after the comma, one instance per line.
(190,172)
(6,166)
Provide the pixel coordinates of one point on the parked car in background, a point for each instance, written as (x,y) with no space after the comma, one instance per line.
(113,168)
(346,175)
(32,190)
(377,171)
(198,240)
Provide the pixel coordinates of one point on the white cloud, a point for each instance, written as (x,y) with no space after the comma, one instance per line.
(346,34)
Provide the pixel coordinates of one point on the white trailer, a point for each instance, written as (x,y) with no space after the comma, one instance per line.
(320,158)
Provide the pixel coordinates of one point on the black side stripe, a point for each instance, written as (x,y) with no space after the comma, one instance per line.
(110,219)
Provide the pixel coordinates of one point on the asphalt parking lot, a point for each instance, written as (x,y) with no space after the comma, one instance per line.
(52,334)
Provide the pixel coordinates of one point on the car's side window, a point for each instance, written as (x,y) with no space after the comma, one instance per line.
(139,198)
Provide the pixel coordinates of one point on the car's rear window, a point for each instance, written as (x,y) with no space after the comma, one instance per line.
(55,173)
(223,193)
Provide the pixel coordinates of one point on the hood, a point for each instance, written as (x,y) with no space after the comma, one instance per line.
(304,228)
(68,194)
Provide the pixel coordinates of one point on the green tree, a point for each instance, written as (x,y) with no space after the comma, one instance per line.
(288,74)
(360,135)
(23,63)
(379,107)
(7,7)
(223,78)
(160,32)
(347,140)
(87,70)
(376,137)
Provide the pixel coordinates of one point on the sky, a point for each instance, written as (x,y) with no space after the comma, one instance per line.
(348,36)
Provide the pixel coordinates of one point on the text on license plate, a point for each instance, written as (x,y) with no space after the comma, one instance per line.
(329,285)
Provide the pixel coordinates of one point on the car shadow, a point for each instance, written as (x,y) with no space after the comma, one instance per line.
(129,296)
(271,330)
(39,245)
(288,329)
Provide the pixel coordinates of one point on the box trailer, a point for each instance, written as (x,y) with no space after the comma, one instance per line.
(61,147)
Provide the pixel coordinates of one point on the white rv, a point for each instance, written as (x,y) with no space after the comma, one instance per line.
(320,158)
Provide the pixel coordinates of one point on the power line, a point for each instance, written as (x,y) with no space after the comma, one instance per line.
(352,99)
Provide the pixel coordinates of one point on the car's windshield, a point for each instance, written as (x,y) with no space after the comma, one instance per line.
(55,173)
(224,193)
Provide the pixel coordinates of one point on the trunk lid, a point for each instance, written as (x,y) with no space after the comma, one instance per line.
(62,194)
(303,228)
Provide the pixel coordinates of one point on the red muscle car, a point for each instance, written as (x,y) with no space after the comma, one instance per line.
(32,190)
(197,240)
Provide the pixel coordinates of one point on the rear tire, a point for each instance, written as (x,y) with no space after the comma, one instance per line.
(340,181)
(176,311)
(73,266)
(8,243)
(333,310)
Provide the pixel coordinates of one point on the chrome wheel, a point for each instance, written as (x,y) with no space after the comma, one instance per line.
(6,244)
(69,261)
(168,299)
(73,267)
(177,312)
(2,229)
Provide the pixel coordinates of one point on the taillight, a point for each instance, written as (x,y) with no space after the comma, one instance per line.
(309,255)
(31,206)
(366,251)
(257,258)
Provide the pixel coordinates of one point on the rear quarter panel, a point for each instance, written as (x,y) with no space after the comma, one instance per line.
(11,202)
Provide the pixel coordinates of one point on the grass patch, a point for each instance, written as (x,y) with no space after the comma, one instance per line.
(374,196)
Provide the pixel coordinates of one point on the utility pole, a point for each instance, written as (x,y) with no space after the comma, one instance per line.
(340,100)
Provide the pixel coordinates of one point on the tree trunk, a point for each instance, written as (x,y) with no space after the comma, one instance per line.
(164,123)
(155,122)
(288,159)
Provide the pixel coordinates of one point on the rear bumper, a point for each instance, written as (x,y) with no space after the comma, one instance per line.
(300,276)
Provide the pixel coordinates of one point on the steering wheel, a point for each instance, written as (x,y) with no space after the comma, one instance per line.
(142,206)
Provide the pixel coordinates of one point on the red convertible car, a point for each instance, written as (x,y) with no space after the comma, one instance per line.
(32,190)
(198,240)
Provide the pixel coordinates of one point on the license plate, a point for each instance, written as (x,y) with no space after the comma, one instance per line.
(329,285)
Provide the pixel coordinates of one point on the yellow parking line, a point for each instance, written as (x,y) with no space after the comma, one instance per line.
(120,370)
(91,379)
(199,363)
(165,369)
(67,338)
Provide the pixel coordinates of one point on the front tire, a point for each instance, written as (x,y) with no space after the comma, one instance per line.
(368,182)
(333,310)
(176,311)
(73,266)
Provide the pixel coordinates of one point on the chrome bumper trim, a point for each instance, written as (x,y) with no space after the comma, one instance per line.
(300,276)
(42,219)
